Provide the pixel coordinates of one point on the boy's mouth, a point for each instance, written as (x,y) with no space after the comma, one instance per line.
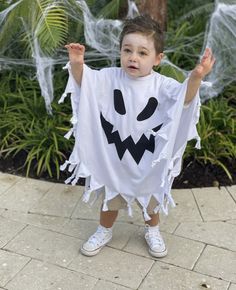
(132,67)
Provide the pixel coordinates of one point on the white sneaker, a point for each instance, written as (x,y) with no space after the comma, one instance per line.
(155,242)
(97,241)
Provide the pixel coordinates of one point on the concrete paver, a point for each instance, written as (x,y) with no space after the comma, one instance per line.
(218,263)
(174,278)
(24,194)
(10,265)
(79,228)
(114,266)
(232,222)
(45,245)
(232,287)
(85,211)
(232,191)
(7,181)
(215,204)
(60,200)
(219,234)
(186,208)
(168,223)
(38,275)
(83,228)
(177,249)
(122,234)
(42,226)
(53,223)
(104,285)
(8,230)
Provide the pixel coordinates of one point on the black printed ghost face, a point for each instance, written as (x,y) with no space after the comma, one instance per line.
(143,143)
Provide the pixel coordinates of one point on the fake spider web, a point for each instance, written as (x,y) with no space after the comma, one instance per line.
(221,37)
(102,35)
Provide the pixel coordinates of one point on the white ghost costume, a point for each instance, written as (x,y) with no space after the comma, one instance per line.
(130,135)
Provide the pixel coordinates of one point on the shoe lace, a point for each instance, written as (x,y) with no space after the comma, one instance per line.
(155,238)
(97,237)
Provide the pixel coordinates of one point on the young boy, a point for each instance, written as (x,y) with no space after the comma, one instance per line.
(131,126)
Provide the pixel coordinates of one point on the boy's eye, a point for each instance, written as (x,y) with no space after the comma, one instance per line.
(127,50)
(143,53)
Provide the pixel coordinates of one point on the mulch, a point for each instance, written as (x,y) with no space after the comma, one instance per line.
(193,173)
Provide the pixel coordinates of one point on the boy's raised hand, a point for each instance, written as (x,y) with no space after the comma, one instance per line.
(198,73)
(76,57)
(76,52)
(205,65)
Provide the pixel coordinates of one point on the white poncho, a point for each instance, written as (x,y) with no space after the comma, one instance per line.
(130,134)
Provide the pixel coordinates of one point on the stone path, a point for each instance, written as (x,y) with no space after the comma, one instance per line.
(43,224)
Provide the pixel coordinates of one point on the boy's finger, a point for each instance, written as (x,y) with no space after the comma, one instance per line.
(68,46)
(73,45)
(206,53)
(82,47)
(213,60)
(208,56)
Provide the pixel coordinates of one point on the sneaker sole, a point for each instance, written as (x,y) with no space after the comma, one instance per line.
(90,254)
(158,255)
(93,253)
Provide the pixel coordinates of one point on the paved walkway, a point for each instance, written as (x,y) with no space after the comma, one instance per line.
(43,224)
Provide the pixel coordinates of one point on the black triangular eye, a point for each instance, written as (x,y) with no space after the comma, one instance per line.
(119,102)
(148,110)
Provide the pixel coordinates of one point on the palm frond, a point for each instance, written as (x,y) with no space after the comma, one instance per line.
(44,20)
(51,25)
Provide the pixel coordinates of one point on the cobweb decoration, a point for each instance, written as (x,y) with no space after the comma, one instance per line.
(43,65)
(44,73)
(4,13)
(102,35)
(132,9)
(221,38)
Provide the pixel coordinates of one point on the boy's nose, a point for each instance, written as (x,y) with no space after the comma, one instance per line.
(133,57)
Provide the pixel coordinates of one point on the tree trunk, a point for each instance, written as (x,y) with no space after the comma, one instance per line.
(157,9)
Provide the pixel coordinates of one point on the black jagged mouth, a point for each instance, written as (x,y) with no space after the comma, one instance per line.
(136,150)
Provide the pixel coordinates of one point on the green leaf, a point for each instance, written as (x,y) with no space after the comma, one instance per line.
(42,21)
(171,71)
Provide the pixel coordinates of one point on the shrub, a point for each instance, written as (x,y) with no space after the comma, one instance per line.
(217,129)
(26,126)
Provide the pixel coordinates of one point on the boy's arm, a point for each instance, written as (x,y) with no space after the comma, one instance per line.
(76,56)
(199,72)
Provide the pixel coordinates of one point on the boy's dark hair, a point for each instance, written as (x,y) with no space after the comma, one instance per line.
(145,25)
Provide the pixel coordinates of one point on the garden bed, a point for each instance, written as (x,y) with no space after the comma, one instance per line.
(192,175)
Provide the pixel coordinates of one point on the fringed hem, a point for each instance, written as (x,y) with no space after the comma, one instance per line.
(92,186)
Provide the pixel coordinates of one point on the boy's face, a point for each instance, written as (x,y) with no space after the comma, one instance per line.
(138,55)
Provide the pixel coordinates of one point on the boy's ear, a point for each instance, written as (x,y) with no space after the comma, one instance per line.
(159,57)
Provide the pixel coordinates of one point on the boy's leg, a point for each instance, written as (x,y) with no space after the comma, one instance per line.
(153,236)
(107,218)
(103,234)
(154,221)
